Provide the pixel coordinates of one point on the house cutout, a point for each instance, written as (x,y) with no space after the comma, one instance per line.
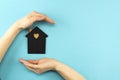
(36,41)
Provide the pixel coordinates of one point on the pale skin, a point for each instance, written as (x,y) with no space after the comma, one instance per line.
(41,65)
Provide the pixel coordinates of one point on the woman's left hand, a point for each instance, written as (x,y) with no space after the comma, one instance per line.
(28,20)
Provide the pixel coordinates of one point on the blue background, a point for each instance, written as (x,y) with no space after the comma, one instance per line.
(86,37)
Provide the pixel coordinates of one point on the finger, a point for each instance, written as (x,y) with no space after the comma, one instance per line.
(29,68)
(33,61)
(45,18)
(31,65)
(23,61)
(49,20)
(26,63)
(40,17)
(34,70)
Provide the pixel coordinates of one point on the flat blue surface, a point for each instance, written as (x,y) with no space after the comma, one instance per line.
(86,36)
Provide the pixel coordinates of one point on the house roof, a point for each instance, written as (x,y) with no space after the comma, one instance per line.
(37,30)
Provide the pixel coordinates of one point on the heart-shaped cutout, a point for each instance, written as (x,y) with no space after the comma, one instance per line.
(36,35)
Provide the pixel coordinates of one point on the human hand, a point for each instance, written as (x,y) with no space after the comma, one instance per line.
(41,65)
(28,20)
(46,64)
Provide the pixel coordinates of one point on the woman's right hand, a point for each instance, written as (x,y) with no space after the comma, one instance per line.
(41,65)
(46,64)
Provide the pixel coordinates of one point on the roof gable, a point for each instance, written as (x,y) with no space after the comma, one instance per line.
(37,30)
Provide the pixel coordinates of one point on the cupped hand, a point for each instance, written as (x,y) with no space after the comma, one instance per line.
(41,65)
(28,20)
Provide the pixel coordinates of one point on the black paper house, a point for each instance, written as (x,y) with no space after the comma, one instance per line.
(36,41)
